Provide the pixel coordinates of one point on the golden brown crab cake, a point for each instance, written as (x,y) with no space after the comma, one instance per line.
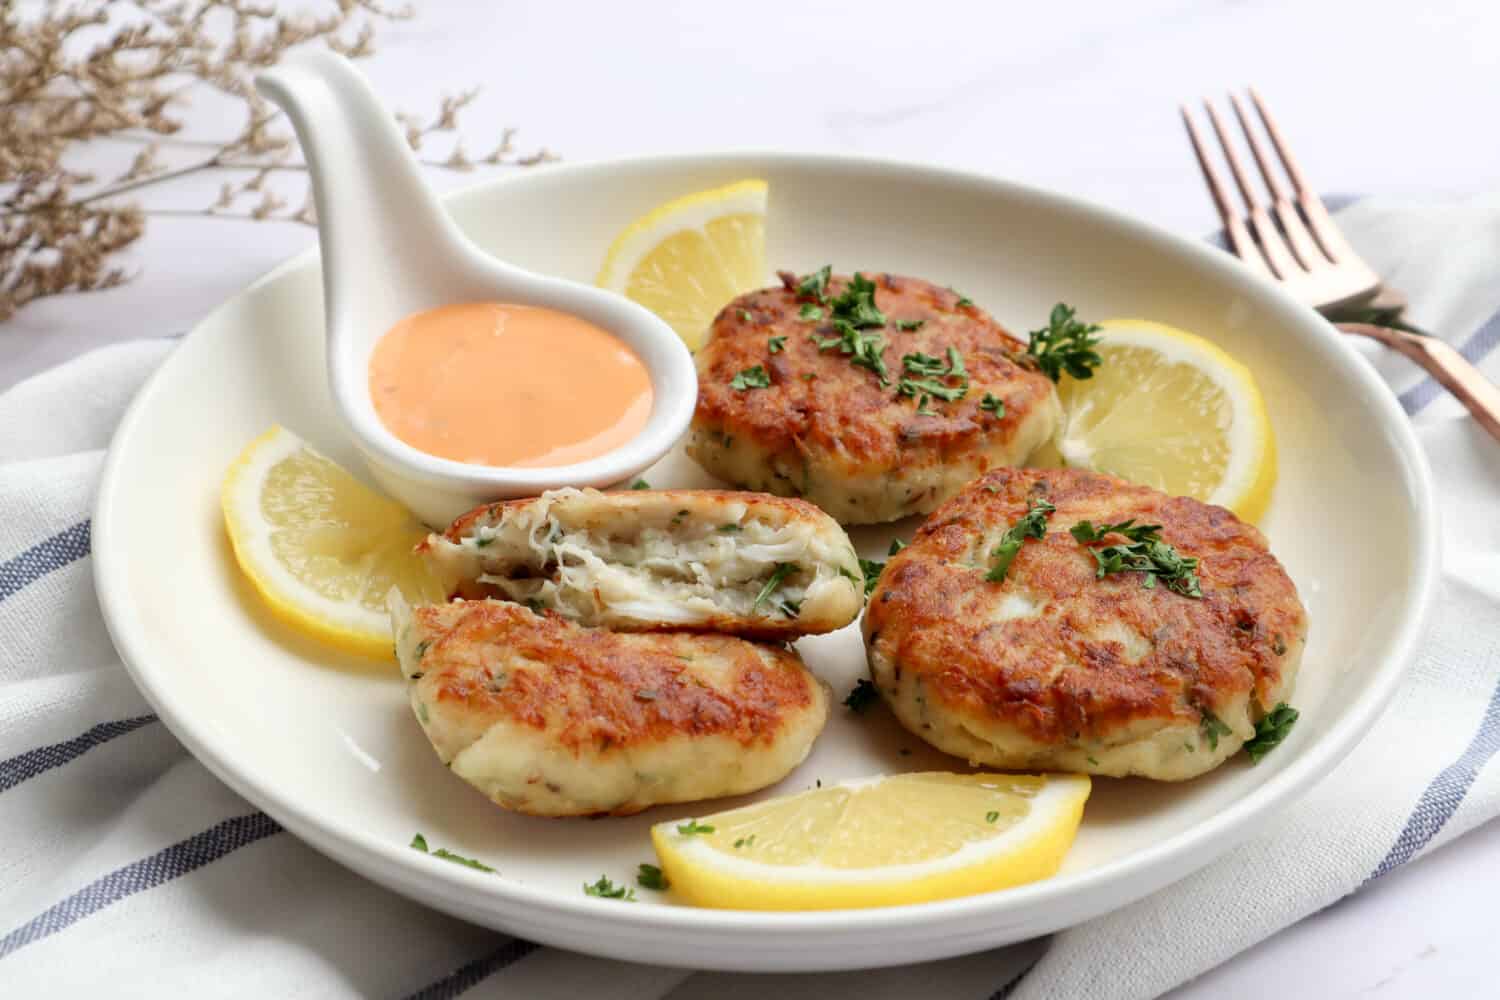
(640,560)
(550,718)
(826,429)
(1054,668)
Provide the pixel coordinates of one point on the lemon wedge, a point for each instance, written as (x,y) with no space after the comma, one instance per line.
(686,259)
(322,548)
(1170,410)
(884,841)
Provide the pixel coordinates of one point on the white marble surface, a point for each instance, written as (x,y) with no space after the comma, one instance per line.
(1081,97)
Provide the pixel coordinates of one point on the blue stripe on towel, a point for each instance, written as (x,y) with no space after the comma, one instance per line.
(41,559)
(1476,348)
(148,873)
(23,767)
(1010,987)
(1446,792)
(466,977)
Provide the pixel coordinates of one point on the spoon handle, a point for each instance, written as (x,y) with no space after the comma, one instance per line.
(1455,372)
(380,228)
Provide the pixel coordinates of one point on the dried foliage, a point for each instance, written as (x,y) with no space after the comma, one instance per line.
(115,70)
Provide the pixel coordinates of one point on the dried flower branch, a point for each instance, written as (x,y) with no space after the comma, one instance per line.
(116,70)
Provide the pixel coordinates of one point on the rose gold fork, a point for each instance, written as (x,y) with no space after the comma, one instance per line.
(1297,245)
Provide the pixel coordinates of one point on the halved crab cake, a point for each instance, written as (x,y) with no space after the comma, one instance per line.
(843,397)
(705,560)
(1056,668)
(554,719)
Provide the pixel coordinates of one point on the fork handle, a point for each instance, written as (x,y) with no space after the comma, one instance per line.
(1454,371)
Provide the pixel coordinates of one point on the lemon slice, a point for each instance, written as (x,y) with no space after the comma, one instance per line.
(908,838)
(1170,410)
(322,548)
(686,259)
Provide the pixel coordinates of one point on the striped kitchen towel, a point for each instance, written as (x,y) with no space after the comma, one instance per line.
(127,867)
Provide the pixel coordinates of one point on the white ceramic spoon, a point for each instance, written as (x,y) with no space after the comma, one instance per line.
(389,250)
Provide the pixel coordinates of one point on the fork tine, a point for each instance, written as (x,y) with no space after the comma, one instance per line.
(1303,246)
(1239,237)
(1319,221)
(1266,233)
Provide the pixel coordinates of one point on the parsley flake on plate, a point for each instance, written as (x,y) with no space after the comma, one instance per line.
(1065,345)
(606,889)
(651,877)
(862,697)
(1271,730)
(419,842)
(993,404)
(1032,524)
(776,344)
(692,828)
(639,484)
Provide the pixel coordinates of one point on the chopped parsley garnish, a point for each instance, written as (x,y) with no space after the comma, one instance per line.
(754,377)
(852,313)
(776,344)
(791,608)
(815,285)
(650,877)
(856,305)
(745,315)
(871,568)
(780,573)
(1145,553)
(910,324)
(639,484)
(993,404)
(692,827)
(1065,345)
(991,816)
(864,695)
(1213,728)
(1033,524)
(963,300)
(727,529)
(810,313)
(745,841)
(1271,730)
(605,889)
(419,842)
(926,374)
(896,546)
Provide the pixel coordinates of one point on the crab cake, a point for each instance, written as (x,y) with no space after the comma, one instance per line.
(794,403)
(1055,668)
(703,560)
(554,719)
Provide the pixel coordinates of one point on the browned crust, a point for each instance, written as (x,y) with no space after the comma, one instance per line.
(761,504)
(841,417)
(597,690)
(1053,677)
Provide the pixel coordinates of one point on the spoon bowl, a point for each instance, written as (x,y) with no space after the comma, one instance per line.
(390,250)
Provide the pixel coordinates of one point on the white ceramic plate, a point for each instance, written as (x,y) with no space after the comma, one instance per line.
(327,746)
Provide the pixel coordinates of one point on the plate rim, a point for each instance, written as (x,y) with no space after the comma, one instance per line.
(1123,880)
